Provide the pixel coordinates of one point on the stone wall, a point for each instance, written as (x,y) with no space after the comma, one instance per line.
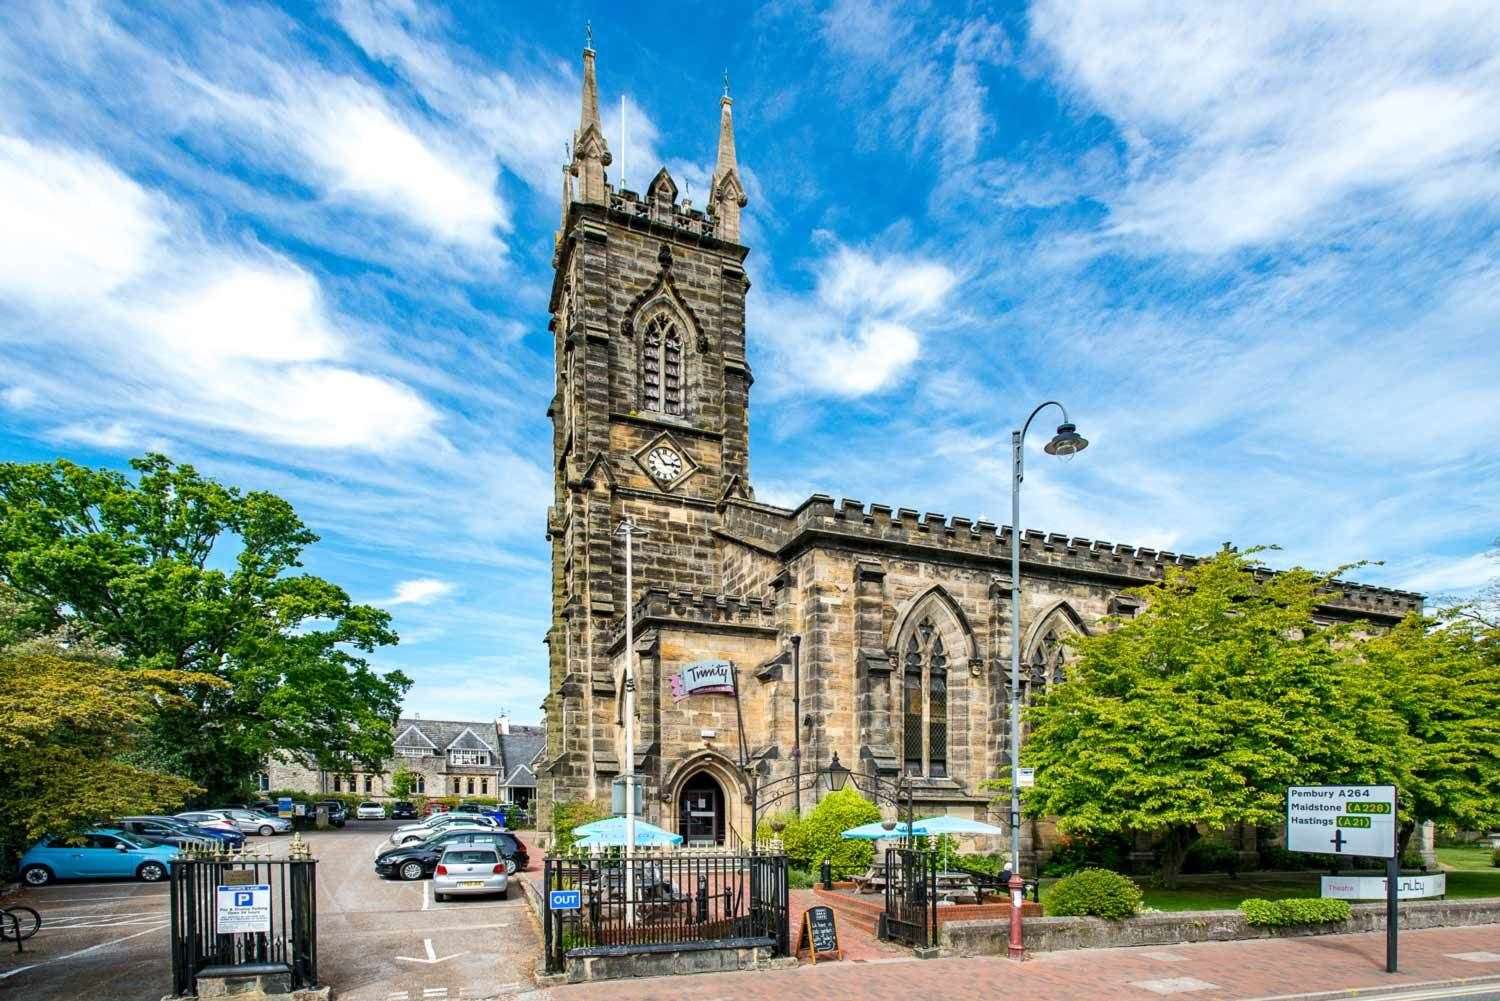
(991,938)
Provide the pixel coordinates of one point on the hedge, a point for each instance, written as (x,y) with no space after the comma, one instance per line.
(1098,893)
(1294,911)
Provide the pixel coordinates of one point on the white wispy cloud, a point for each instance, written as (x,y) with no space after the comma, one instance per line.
(859,328)
(1446,575)
(1254,125)
(422,591)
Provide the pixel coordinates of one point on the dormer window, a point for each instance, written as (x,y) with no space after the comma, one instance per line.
(469,758)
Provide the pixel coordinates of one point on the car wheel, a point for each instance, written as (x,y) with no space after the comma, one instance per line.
(510,867)
(411,870)
(36,875)
(151,872)
(441,898)
(266,830)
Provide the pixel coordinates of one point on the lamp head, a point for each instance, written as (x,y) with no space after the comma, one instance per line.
(837,773)
(1066,442)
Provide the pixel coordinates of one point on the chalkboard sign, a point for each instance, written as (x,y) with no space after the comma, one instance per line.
(820,932)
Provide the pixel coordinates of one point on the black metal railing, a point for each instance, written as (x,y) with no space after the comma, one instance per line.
(911,897)
(197,943)
(683,900)
(992,884)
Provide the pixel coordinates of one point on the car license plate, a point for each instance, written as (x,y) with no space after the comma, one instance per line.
(471,882)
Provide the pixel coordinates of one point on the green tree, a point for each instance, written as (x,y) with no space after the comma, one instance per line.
(178,572)
(67,725)
(1205,707)
(403,781)
(1442,677)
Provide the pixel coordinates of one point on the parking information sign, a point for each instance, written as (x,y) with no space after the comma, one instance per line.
(244,909)
(1342,820)
(565,900)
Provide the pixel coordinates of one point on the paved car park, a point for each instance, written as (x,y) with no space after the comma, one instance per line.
(378,940)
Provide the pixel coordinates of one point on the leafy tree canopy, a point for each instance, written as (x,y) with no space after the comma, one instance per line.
(67,725)
(177,572)
(1222,692)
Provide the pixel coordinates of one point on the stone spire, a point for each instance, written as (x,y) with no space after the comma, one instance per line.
(726,194)
(590,151)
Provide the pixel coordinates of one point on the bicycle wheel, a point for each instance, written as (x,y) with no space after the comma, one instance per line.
(26,922)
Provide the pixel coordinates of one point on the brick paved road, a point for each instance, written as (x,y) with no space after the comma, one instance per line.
(1211,971)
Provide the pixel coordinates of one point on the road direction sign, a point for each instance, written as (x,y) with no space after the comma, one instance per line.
(1342,820)
(1026,778)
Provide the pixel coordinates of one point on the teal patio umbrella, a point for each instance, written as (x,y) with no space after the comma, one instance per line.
(610,833)
(944,824)
(874,831)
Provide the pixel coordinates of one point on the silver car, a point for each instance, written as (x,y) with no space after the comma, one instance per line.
(409,834)
(469,869)
(250,822)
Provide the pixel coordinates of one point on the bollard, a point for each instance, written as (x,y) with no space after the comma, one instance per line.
(1017,895)
(827,875)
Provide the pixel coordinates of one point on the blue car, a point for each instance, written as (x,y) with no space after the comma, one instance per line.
(102,852)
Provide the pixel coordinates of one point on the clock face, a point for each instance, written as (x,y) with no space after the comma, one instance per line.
(664,464)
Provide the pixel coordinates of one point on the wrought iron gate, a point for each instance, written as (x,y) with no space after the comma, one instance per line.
(291,942)
(910,897)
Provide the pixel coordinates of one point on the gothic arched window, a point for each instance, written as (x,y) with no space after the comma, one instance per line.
(661,368)
(925,703)
(1047,664)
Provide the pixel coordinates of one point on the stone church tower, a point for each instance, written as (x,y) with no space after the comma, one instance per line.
(650,418)
(768,640)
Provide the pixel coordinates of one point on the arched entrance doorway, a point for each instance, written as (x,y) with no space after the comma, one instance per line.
(700,811)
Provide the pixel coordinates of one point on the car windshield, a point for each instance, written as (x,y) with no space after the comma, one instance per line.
(471,856)
(372,806)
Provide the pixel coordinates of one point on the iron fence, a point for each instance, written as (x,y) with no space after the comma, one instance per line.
(911,897)
(730,900)
(198,945)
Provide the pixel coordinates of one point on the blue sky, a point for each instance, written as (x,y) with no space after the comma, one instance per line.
(1252,247)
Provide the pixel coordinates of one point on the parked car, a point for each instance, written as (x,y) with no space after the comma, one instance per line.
(211,820)
(338,813)
(369,811)
(250,822)
(100,852)
(403,810)
(481,810)
(469,869)
(433,808)
(417,861)
(412,833)
(160,831)
(227,838)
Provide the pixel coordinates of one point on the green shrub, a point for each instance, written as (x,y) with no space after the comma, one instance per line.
(817,836)
(1294,911)
(1495,858)
(1076,853)
(1096,892)
(1212,855)
(990,865)
(801,879)
(570,813)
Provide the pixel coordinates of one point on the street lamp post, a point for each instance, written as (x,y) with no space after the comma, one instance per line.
(629,531)
(1066,442)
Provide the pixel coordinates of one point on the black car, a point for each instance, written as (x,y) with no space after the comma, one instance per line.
(177,833)
(403,810)
(338,815)
(417,861)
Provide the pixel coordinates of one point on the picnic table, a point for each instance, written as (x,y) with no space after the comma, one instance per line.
(954,887)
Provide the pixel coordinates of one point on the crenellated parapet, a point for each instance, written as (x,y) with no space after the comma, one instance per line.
(680,216)
(660,605)
(881,526)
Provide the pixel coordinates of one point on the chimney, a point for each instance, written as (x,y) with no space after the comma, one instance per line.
(504,724)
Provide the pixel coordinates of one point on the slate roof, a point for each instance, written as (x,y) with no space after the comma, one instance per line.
(519,751)
(443,732)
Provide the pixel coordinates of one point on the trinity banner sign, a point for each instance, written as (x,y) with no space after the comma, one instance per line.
(702,678)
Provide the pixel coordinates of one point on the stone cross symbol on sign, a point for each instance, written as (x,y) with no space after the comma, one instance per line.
(1337,840)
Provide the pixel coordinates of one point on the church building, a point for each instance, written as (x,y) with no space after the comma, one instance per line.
(895,622)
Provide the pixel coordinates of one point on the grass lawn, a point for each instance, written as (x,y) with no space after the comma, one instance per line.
(1467,857)
(1222,893)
